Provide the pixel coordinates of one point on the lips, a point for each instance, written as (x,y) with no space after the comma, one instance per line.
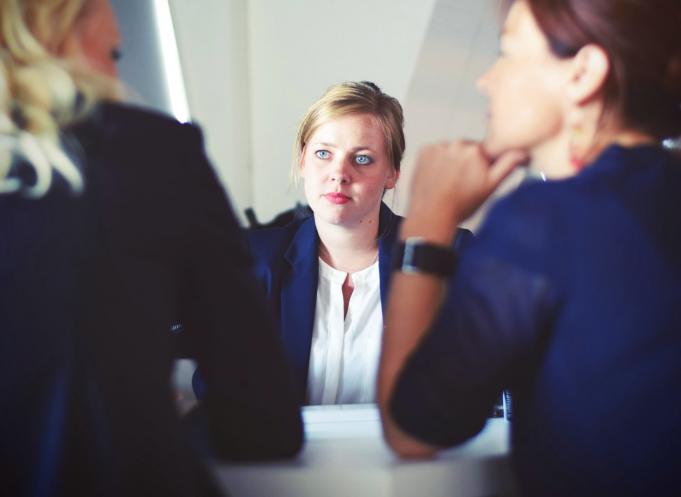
(336,198)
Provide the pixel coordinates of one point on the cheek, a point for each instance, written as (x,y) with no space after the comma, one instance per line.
(374,188)
(311,185)
(98,36)
(98,56)
(527,111)
(538,118)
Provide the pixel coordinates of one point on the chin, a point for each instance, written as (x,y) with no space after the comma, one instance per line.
(493,148)
(331,215)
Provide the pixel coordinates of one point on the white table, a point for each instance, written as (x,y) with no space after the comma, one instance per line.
(345,456)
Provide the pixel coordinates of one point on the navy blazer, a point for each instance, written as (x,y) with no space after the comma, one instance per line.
(89,285)
(287,265)
(571,297)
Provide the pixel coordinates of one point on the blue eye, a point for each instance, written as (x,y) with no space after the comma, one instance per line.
(363,160)
(322,154)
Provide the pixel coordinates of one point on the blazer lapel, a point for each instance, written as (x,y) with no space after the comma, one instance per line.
(298,299)
(388,227)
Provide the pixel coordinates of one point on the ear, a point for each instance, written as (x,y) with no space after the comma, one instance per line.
(392,178)
(591,66)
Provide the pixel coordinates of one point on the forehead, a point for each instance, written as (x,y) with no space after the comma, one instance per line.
(358,129)
(520,26)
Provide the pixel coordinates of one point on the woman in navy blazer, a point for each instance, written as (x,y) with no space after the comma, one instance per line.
(113,226)
(349,147)
(287,265)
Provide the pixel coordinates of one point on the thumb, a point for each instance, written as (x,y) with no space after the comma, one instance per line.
(504,165)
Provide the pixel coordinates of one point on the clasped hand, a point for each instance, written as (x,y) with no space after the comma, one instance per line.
(451,181)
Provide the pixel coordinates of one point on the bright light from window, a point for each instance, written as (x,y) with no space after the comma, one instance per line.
(171,61)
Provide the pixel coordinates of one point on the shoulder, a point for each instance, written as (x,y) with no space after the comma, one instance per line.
(530,203)
(140,146)
(388,225)
(135,117)
(269,245)
(116,122)
(531,227)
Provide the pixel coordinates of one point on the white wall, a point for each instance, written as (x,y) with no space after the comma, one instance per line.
(301,47)
(252,67)
(212,37)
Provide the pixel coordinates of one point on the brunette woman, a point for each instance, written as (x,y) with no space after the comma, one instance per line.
(571,293)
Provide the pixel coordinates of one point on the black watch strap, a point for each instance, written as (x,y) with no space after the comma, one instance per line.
(415,255)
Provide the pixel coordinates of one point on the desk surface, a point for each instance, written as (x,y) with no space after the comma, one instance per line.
(345,455)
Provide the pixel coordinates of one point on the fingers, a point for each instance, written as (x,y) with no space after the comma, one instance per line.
(504,165)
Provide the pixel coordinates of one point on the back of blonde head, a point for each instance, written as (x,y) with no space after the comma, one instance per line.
(351,97)
(41,94)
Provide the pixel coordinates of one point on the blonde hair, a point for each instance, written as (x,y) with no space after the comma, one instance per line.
(41,94)
(350,97)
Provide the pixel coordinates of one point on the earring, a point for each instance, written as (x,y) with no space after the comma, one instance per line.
(576,148)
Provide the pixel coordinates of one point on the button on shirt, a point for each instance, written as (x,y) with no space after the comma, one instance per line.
(345,350)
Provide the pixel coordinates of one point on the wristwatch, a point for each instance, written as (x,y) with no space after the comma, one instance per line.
(415,255)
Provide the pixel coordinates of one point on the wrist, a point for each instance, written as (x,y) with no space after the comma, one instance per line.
(429,229)
(416,255)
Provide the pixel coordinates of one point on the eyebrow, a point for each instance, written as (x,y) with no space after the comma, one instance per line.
(354,149)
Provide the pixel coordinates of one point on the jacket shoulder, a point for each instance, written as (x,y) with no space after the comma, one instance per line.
(269,245)
(115,122)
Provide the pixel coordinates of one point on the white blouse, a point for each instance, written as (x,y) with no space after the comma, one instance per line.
(345,351)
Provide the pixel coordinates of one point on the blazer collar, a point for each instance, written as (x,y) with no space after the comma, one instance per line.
(304,245)
(388,228)
(298,300)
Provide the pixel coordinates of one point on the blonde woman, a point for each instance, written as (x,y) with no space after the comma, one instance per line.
(112,226)
(326,277)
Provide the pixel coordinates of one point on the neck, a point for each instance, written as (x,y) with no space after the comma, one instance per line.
(554,156)
(349,249)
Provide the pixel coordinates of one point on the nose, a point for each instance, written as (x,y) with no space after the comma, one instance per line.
(340,171)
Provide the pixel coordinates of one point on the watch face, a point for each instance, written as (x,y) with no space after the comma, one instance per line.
(417,256)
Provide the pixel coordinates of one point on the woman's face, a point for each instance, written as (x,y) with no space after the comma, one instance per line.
(525,87)
(95,39)
(346,169)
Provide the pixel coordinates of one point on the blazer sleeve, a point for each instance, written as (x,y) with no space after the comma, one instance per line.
(487,335)
(250,406)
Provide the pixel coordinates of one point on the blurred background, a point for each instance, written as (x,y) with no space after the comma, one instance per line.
(247,70)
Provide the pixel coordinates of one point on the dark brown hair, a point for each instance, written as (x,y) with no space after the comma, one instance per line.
(643,41)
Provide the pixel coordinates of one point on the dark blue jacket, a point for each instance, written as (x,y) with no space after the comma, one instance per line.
(287,266)
(89,286)
(570,296)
